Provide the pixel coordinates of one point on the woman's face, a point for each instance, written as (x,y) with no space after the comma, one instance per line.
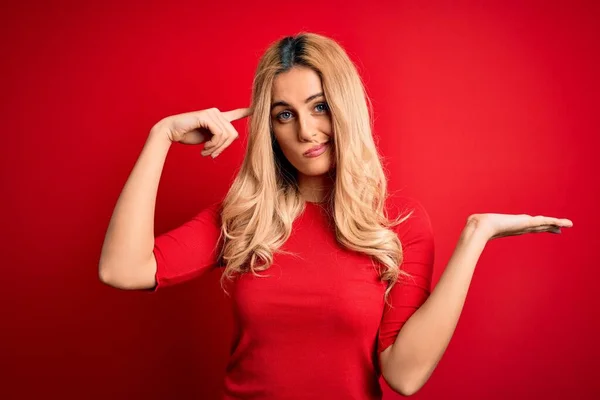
(301,120)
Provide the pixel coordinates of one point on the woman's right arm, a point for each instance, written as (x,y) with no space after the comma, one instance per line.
(127,260)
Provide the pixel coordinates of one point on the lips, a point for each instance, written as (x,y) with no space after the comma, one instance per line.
(315,149)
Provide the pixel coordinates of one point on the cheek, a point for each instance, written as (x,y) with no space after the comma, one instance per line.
(286,145)
(326,126)
(285,137)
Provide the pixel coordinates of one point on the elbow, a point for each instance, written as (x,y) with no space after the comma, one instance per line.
(409,390)
(111,277)
(127,278)
(402,387)
(406,383)
(104,275)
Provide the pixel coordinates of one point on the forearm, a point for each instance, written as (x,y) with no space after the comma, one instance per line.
(129,238)
(423,339)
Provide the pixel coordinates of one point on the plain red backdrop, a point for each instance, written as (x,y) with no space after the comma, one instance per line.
(478,108)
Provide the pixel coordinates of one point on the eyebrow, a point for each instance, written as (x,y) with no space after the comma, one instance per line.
(283,103)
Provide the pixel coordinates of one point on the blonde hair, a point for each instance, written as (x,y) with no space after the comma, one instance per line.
(262,203)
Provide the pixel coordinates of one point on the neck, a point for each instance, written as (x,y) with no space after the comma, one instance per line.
(315,189)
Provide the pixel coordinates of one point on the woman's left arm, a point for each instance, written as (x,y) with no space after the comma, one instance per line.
(410,361)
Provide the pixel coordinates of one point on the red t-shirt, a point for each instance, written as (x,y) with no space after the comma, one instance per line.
(316,326)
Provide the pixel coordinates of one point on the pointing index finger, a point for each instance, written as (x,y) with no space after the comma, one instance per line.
(236,114)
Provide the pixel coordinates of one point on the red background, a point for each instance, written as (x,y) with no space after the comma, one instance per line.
(478,108)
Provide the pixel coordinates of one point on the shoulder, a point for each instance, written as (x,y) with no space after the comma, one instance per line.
(215,208)
(208,216)
(212,210)
(416,221)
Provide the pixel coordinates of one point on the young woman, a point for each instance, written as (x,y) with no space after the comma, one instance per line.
(329,275)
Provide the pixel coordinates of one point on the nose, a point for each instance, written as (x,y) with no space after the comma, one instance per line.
(306,128)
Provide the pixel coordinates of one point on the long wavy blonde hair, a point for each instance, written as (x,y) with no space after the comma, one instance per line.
(264,200)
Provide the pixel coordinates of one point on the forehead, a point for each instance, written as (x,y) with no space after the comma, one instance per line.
(295,85)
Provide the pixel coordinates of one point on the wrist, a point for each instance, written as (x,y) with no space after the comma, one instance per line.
(476,229)
(160,131)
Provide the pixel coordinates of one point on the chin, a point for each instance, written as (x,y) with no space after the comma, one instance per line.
(317,167)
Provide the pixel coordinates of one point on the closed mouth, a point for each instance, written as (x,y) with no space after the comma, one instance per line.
(316,148)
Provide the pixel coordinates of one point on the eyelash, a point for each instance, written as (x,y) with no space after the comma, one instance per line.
(316,105)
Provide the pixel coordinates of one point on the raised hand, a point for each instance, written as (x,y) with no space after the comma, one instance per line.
(210,126)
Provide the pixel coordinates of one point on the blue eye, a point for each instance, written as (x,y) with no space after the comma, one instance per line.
(281,115)
(324,106)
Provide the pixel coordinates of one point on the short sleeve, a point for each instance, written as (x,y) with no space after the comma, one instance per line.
(189,250)
(409,293)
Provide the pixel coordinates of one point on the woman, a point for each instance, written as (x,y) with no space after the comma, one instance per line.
(330,277)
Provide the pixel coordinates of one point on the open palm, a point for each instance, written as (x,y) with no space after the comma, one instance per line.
(500,225)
